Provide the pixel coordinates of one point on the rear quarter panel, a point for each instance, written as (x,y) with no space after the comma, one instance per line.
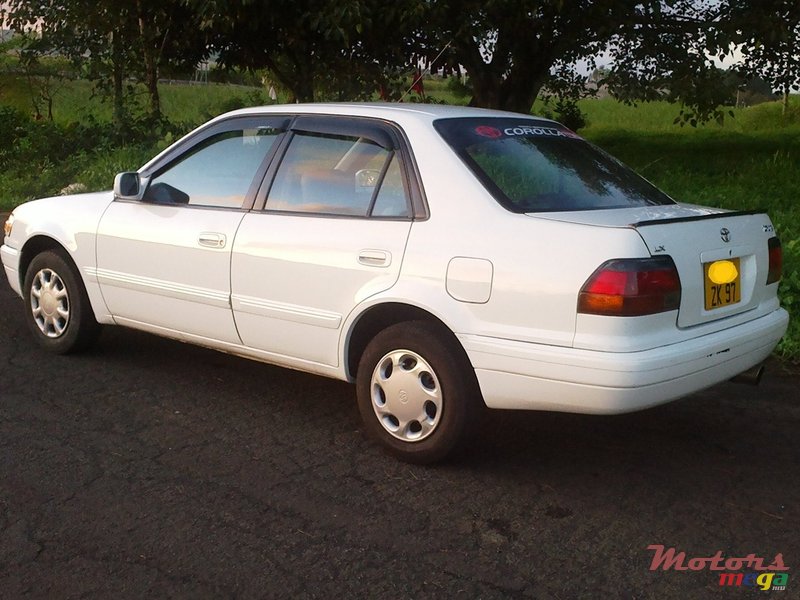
(538,265)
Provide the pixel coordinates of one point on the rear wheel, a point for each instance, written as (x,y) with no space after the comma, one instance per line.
(417,392)
(57,310)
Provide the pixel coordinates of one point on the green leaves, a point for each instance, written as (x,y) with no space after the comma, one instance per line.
(511,49)
(113,41)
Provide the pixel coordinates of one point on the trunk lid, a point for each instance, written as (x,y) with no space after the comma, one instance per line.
(697,238)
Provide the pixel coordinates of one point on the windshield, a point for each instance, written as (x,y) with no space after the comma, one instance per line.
(537,166)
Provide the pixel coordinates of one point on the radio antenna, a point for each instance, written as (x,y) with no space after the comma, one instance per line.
(418,78)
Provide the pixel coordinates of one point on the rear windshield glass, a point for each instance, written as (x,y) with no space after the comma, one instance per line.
(538,166)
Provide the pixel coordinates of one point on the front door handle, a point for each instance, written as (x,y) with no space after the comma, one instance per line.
(212,240)
(375,258)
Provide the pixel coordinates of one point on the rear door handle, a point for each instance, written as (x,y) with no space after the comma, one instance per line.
(375,258)
(212,240)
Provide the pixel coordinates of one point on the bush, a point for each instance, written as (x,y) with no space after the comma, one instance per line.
(13,125)
(40,158)
(252,98)
(569,114)
(789,288)
(458,88)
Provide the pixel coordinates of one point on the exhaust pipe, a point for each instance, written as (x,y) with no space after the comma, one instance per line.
(750,377)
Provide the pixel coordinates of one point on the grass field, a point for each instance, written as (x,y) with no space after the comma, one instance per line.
(77,101)
(749,162)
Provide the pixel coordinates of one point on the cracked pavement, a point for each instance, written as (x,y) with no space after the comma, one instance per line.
(150,468)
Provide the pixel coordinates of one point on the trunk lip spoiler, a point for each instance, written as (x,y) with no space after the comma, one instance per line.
(719,215)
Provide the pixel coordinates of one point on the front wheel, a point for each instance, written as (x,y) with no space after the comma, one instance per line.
(417,392)
(57,309)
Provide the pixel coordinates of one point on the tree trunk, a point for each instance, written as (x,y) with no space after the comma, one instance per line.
(34,94)
(303,89)
(485,91)
(785,100)
(152,87)
(117,76)
(519,96)
(484,76)
(514,92)
(296,76)
(147,41)
(501,83)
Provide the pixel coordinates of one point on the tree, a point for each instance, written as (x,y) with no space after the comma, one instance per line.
(514,49)
(510,47)
(316,49)
(89,33)
(768,34)
(114,40)
(45,74)
(668,54)
(168,33)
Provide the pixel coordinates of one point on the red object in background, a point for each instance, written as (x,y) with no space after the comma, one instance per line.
(417,85)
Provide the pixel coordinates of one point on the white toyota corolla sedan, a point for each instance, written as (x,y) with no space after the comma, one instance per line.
(441,258)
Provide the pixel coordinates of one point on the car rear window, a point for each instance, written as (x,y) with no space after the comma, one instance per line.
(530,165)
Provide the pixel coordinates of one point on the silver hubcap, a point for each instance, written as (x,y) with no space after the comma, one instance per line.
(50,303)
(406,395)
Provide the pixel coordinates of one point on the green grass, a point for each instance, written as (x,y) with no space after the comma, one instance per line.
(78,100)
(749,162)
(607,115)
(440,90)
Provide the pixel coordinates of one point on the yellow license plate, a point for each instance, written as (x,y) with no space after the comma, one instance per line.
(723,283)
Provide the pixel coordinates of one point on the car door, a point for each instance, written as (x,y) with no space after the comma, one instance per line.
(164,262)
(332,233)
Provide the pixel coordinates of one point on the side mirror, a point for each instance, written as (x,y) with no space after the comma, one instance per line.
(127,186)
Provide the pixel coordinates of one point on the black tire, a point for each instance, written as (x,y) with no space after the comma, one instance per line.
(448,396)
(52,289)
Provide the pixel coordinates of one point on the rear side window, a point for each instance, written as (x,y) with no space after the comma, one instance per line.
(536,166)
(391,200)
(339,175)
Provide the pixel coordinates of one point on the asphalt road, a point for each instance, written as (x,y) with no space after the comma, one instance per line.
(152,469)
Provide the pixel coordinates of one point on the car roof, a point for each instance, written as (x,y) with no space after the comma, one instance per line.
(382,110)
(403,114)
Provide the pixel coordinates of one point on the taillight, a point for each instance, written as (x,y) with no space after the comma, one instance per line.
(631,287)
(775,260)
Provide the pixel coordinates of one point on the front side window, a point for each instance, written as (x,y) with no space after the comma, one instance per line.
(216,172)
(538,166)
(339,175)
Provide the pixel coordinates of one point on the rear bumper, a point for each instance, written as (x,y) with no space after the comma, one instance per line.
(519,375)
(10,258)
